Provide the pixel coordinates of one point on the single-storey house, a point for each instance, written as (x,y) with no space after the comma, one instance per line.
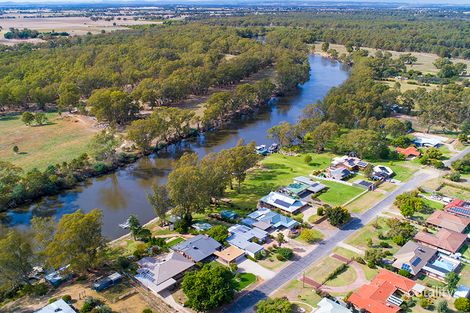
(329,306)
(348,162)
(230,255)
(311,187)
(427,142)
(56,307)
(158,274)
(247,238)
(410,152)
(338,173)
(277,200)
(412,257)
(383,293)
(449,221)
(266,219)
(198,248)
(382,172)
(459,207)
(444,240)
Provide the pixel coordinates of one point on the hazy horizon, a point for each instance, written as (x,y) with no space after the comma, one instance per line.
(237,2)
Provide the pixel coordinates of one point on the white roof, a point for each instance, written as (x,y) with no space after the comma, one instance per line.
(383,169)
(424,141)
(283,202)
(59,306)
(461,292)
(328,306)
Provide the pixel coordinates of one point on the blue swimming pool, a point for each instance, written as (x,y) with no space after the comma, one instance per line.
(444,264)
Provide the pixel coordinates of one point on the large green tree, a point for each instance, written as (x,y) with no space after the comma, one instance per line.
(274,305)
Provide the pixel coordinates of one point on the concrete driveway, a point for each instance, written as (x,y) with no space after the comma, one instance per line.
(249,266)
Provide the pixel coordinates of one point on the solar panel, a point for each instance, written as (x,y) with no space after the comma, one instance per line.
(416,261)
(282,203)
(406,267)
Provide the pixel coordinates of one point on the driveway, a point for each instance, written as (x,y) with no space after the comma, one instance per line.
(252,267)
(245,303)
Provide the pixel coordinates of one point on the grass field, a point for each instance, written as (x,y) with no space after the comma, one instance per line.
(243,280)
(338,193)
(275,171)
(365,201)
(60,140)
(360,238)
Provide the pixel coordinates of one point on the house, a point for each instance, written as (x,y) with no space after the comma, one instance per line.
(310,186)
(410,152)
(107,282)
(197,248)
(266,219)
(277,200)
(230,255)
(459,207)
(442,219)
(427,142)
(444,240)
(338,173)
(57,306)
(247,238)
(381,172)
(158,274)
(412,257)
(440,265)
(329,306)
(348,162)
(461,292)
(383,293)
(364,184)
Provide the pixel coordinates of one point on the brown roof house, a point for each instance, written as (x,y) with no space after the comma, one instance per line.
(448,221)
(446,240)
(230,255)
(413,256)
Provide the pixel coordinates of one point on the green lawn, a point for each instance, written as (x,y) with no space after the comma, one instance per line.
(60,140)
(345,278)
(338,193)
(295,290)
(320,271)
(360,238)
(243,280)
(174,242)
(274,171)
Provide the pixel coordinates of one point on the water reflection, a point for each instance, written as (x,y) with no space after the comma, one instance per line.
(123,193)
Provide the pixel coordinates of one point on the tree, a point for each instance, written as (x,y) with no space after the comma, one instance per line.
(40,118)
(276,305)
(209,287)
(374,257)
(69,96)
(409,203)
(113,106)
(134,225)
(284,134)
(103,145)
(366,143)
(321,135)
(452,279)
(284,254)
(10,176)
(442,307)
(143,132)
(78,241)
(325,46)
(219,233)
(43,233)
(160,201)
(462,304)
(240,159)
(309,235)
(280,239)
(27,118)
(424,302)
(337,215)
(16,259)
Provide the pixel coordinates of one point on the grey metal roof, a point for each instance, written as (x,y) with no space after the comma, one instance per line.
(198,248)
(59,306)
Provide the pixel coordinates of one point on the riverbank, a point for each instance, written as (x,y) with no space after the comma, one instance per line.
(124,192)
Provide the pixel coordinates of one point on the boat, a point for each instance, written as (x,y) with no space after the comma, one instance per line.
(125,225)
(261,149)
(273,148)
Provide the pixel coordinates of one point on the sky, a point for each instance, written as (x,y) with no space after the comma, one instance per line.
(233,2)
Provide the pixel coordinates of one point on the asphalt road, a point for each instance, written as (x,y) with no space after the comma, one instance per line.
(246,303)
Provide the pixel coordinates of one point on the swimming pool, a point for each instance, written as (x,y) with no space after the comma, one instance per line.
(444,263)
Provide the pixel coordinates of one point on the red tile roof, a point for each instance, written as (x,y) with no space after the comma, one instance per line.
(373,296)
(449,221)
(445,239)
(455,203)
(408,151)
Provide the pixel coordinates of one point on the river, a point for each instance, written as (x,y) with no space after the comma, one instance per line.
(123,193)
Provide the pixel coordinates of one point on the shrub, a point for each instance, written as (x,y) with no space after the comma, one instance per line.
(320,211)
(442,307)
(309,235)
(424,303)
(67,298)
(308,159)
(384,244)
(52,300)
(454,176)
(147,310)
(123,262)
(286,253)
(405,273)
(462,304)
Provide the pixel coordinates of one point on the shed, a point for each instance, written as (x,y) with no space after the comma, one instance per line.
(229,215)
(107,282)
